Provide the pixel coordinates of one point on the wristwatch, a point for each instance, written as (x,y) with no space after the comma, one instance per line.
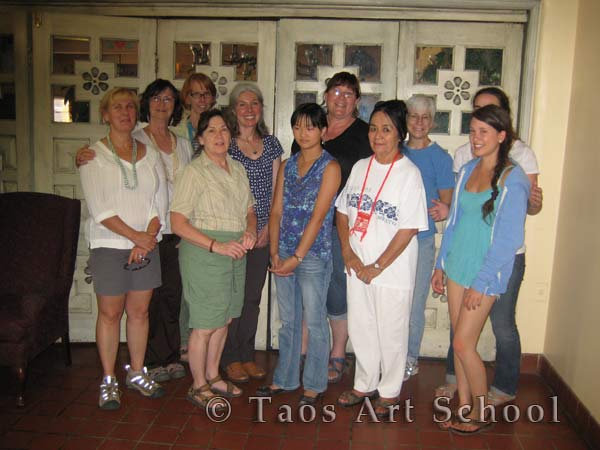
(299,258)
(377,266)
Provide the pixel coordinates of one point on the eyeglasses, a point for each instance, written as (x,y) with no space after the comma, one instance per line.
(166,99)
(143,262)
(346,94)
(200,95)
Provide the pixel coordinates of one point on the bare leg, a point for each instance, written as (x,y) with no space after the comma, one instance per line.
(466,336)
(216,344)
(455,297)
(198,350)
(136,305)
(110,311)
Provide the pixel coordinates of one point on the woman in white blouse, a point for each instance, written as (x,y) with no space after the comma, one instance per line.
(122,191)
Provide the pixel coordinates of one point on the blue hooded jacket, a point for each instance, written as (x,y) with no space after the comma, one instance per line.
(508,229)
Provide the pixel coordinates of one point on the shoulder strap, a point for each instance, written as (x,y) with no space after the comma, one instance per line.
(504,174)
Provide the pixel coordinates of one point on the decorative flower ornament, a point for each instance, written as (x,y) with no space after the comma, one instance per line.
(224,79)
(95,81)
(457,90)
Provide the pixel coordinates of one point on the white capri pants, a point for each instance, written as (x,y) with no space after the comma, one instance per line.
(378,319)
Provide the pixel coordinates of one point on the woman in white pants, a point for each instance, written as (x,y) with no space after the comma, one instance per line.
(379,213)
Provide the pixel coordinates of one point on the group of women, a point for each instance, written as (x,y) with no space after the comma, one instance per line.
(347,224)
(185,223)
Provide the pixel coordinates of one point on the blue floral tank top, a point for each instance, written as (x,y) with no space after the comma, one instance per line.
(299,198)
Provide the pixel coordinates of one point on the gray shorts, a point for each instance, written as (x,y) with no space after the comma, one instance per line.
(111,278)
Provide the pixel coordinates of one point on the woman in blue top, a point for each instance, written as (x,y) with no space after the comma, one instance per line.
(260,154)
(300,238)
(485,229)
(435,165)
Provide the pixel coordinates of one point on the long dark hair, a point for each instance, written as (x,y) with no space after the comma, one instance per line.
(499,119)
(152,90)
(203,122)
(396,110)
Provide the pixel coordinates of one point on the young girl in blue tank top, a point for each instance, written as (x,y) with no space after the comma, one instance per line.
(484,231)
(300,229)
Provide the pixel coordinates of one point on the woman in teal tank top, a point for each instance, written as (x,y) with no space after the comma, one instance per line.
(485,229)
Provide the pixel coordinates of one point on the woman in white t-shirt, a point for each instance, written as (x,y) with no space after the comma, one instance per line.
(379,213)
(508,345)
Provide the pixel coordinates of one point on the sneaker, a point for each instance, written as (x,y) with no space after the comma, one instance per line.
(159,374)
(412,368)
(110,395)
(142,382)
(175,371)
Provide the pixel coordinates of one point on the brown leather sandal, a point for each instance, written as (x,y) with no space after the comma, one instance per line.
(349,398)
(229,393)
(202,396)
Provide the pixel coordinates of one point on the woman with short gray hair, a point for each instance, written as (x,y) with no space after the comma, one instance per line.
(435,165)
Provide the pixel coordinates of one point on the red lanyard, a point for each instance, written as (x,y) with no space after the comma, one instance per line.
(363,219)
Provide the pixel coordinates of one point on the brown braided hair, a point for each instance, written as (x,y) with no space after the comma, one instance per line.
(499,119)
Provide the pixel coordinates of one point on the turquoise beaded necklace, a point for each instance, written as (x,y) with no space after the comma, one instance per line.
(126,182)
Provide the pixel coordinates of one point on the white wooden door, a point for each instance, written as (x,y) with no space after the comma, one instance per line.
(311,51)
(77,59)
(15,156)
(451,61)
(228,52)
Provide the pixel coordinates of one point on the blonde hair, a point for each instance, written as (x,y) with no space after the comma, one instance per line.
(111,95)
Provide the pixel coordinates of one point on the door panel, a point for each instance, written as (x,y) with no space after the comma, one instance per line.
(311,51)
(451,61)
(227,51)
(77,59)
(15,155)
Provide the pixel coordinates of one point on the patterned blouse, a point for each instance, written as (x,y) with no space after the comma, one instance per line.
(260,174)
(299,198)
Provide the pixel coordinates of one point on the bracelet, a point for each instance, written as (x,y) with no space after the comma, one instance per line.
(210,247)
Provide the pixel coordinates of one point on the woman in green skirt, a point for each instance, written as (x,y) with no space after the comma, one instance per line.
(213,212)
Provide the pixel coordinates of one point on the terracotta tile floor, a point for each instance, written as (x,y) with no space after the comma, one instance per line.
(62,413)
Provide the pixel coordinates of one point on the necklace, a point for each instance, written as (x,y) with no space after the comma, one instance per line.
(126,182)
(170,177)
(253,148)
